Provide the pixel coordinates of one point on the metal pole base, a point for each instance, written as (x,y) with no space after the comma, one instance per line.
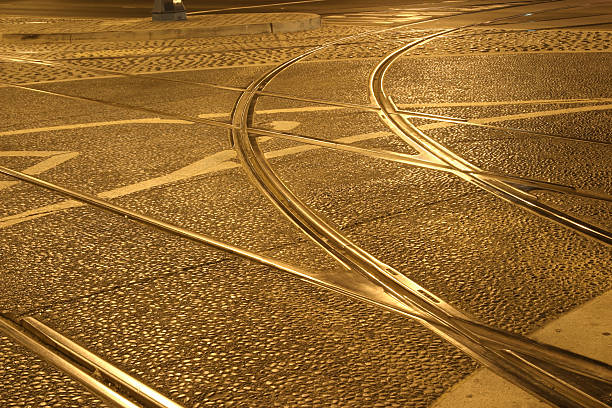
(169,16)
(168,10)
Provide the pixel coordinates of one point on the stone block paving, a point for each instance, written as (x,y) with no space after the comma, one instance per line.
(74,60)
(44,25)
(414,345)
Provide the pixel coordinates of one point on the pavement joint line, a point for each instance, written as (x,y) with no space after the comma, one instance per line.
(415,207)
(47,307)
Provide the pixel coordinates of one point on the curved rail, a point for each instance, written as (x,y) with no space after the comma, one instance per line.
(549,378)
(430,150)
(590,369)
(532,365)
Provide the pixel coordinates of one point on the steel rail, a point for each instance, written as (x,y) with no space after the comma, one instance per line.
(32,343)
(370,108)
(468,122)
(423,115)
(436,152)
(446,330)
(412,160)
(339,104)
(511,366)
(210,122)
(508,363)
(487,335)
(380,154)
(573,362)
(142,393)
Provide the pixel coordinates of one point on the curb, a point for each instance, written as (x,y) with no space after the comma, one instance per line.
(305,23)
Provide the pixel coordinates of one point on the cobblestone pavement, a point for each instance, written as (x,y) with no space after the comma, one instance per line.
(211,331)
(195,54)
(53,25)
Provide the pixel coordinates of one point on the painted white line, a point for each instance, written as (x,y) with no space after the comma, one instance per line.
(539,114)
(283,125)
(210,164)
(7,184)
(56,158)
(95,124)
(586,330)
(193,13)
(50,163)
(502,103)
(459,104)
(224,160)
(330,108)
(220,161)
(273,111)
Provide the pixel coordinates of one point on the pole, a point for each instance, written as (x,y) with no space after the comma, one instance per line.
(168,10)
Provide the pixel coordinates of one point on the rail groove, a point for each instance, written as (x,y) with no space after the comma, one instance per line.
(551,379)
(431,150)
(114,386)
(561,377)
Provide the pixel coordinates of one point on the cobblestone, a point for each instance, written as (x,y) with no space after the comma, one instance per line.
(194,54)
(52,25)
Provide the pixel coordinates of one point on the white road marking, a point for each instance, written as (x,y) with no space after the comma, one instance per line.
(216,162)
(224,160)
(55,159)
(94,124)
(403,106)
(284,125)
(193,13)
(273,111)
(585,330)
(518,116)
(281,126)
(330,108)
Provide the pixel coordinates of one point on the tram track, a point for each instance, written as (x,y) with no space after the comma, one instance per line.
(546,380)
(516,358)
(433,151)
(598,373)
(366,108)
(403,158)
(114,386)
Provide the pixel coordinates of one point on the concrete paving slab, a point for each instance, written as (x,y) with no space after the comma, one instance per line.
(586,330)
(25,29)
